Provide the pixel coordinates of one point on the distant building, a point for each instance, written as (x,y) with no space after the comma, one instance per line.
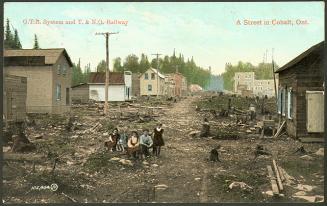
(184,86)
(264,87)
(178,82)
(119,86)
(128,85)
(301,93)
(246,83)
(49,76)
(195,88)
(245,79)
(169,90)
(136,84)
(152,83)
(81,93)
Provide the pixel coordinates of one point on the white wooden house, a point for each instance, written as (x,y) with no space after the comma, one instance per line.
(119,89)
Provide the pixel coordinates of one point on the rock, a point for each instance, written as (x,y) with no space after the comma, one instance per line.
(145,162)
(155,165)
(248,131)
(105,134)
(161,187)
(6,149)
(269,193)
(75,136)
(115,159)
(306,188)
(300,193)
(241,185)
(194,133)
(320,152)
(197,178)
(126,162)
(307,198)
(319,198)
(38,136)
(307,157)
(69,163)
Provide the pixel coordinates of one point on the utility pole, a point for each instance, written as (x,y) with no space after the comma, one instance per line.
(106,34)
(273,70)
(157,54)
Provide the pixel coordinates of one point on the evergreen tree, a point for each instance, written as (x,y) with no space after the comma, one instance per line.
(9,39)
(36,43)
(117,65)
(144,64)
(102,66)
(87,72)
(17,44)
(131,63)
(77,76)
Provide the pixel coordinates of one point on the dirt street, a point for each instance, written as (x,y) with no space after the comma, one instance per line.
(87,173)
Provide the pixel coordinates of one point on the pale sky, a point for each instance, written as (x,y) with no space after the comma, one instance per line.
(206,31)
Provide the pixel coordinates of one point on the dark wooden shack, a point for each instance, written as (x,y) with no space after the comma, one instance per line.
(80,93)
(301,93)
(14,98)
(136,84)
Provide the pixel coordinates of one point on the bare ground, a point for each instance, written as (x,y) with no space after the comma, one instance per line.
(86,173)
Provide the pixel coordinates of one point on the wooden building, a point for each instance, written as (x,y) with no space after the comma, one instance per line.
(120,87)
(136,84)
(152,83)
(80,93)
(49,76)
(14,98)
(301,93)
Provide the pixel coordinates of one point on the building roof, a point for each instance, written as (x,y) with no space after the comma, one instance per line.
(51,55)
(314,49)
(115,78)
(159,74)
(79,85)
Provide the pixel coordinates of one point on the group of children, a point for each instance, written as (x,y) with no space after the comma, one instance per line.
(135,145)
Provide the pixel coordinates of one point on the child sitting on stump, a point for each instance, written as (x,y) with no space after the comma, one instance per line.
(145,143)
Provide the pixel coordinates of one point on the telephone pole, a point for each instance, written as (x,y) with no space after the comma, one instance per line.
(157,54)
(106,34)
(273,70)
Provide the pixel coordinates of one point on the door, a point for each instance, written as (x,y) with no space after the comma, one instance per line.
(67,97)
(9,115)
(315,111)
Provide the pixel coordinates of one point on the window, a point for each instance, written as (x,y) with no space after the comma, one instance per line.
(58,92)
(149,87)
(64,70)
(290,103)
(146,76)
(59,69)
(284,102)
(279,101)
(153,76)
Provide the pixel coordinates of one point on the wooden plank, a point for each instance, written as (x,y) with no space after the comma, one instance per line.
(280,129)
(274,185)
(279,181)
(22,157)
(312,139)
(282,177)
